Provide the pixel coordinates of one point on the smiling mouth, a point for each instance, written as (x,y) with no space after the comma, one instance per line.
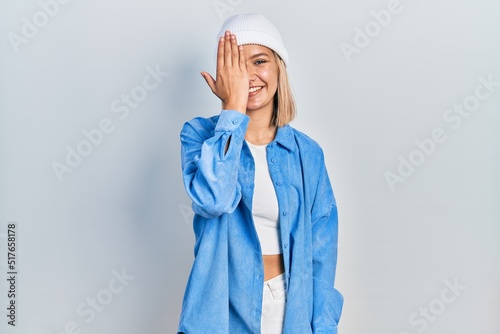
(254,89)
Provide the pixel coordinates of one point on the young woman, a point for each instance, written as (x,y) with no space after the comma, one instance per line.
(265,214)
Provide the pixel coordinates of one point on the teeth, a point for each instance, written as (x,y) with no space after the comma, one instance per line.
(254,89)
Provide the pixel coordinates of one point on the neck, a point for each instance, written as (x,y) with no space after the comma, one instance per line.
(260,131)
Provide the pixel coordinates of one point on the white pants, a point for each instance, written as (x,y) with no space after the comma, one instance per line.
(273,305)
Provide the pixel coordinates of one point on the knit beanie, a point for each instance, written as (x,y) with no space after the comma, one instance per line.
(254,29)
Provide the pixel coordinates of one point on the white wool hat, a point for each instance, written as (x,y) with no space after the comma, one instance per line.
(254,29)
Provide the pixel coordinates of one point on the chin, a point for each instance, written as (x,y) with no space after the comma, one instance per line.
(255,106)
(252,107)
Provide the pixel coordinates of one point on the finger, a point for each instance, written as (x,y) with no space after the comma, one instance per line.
(235,53)
(220,53)
(227,49)
(209,79)
(243,62)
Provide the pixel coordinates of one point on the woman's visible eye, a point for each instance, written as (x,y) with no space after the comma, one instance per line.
(260,61)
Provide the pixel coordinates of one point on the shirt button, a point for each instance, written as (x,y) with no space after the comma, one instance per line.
(235,122)
(273,160)
(285,246)
(285,213)
(278,183)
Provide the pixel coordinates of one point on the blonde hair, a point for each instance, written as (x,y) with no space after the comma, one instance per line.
(284,103)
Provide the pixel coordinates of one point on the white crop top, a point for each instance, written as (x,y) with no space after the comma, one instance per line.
(265,209)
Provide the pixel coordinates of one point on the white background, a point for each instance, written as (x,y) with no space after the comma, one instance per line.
(123,207)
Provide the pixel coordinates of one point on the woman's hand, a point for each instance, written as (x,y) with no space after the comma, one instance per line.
(232,84)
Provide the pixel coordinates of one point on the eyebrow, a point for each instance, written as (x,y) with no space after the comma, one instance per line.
(259,54)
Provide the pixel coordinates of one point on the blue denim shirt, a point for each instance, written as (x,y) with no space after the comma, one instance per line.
(224,290)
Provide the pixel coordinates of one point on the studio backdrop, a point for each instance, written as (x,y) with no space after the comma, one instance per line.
(96,228)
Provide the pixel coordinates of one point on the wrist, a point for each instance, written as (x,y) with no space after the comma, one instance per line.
(235,106)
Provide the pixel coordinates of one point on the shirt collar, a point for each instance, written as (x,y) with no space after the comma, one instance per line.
(285,137)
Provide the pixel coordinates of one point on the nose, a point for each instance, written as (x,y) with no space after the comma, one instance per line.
(252,73)
(252,76)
